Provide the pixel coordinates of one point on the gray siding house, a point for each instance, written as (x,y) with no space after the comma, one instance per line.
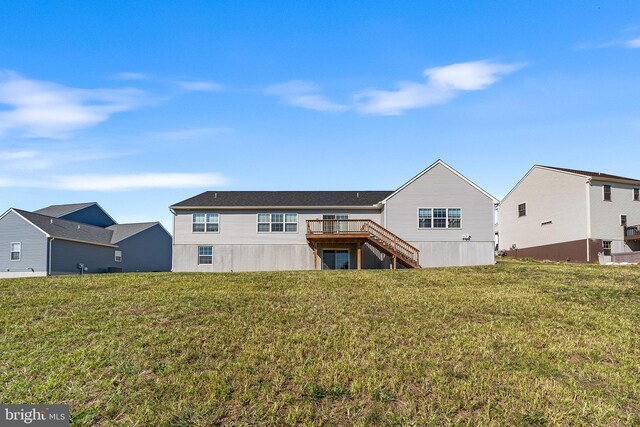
(438,218)
(57,239)
(571,215)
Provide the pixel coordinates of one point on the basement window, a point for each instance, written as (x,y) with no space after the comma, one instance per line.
(522,209)
(16,251)
(606,247)
(606,193)
(205,255)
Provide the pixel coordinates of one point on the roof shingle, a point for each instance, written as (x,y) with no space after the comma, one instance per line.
(284,199)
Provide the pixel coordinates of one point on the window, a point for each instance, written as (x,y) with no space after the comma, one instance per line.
(206,223)
(636,194)
(118,256)
(424,218)
(606,247)
(277,223)
(522,209)
(623,220)
(16,251)
(606,191)
(205,255)
(429,218)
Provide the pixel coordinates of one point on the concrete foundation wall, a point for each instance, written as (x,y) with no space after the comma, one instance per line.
(21,274)
(444,254)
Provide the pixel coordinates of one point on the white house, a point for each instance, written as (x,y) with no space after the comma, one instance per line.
(571,215)
(438,218)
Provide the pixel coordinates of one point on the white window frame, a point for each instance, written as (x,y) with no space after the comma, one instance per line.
(336,249)
(118,256)
(606,249)
(206,216)
(284,222)
(626,220)
(446,219)
(610,193)
(198,255)
(11,251)
(633,194)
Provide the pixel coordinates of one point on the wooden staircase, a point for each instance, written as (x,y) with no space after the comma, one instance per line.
(364,231)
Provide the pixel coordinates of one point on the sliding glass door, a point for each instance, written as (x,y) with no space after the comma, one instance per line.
(335,259)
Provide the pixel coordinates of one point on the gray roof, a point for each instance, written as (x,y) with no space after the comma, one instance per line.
(597,175)
(69,230)
(284,198)
(78,231)
(57,211)
(123,231)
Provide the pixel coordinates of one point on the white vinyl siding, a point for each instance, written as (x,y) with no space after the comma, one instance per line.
(277,222)
(205,223)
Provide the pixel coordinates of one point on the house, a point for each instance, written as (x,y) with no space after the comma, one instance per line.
(571,215)
(60,239)
(438,218)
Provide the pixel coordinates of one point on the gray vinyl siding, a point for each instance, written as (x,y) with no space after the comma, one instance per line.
(66,255)
(90,215)
(550,195)
(241,227)
(149,250)
(14,228)
(442,188)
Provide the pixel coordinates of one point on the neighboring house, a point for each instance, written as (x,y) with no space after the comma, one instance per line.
(57,239)
(571,215)
(438,218)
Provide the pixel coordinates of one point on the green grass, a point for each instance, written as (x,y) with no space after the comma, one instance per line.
(519,344)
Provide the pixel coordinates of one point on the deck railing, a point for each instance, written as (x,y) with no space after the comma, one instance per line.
(368,229)
(632,231)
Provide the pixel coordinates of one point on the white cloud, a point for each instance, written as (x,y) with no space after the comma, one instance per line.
(189,134)
(131,76)
(122,182)
(633,43)
(304,94)
(199,86)
(442,85)
(41,159)
(47,110)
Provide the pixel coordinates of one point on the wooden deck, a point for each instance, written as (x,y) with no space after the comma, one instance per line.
(632,233)
(359,232)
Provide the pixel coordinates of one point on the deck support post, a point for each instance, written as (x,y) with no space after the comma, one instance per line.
(395,262)
(315,256)
(359,256)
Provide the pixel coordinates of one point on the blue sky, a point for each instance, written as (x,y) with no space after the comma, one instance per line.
(138,105)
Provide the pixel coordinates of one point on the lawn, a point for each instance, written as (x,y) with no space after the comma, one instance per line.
(513,344)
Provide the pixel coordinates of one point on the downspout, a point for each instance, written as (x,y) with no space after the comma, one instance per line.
(50,246)
(588,187)
(173,236)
